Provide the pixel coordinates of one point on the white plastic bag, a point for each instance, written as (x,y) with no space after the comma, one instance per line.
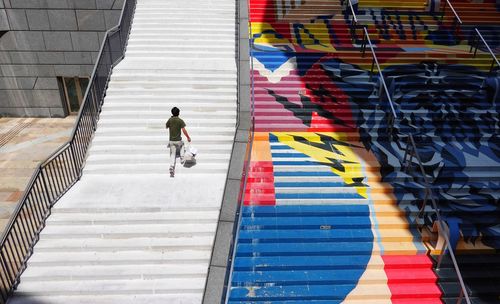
(189,159)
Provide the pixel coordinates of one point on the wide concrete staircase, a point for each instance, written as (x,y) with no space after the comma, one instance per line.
(127,232)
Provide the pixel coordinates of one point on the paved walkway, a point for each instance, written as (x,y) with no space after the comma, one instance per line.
(24,143)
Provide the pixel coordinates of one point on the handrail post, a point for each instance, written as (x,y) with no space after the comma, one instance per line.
(371,70)
(481,38)
(460,296)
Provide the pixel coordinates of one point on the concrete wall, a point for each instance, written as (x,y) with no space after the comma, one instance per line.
(47,39)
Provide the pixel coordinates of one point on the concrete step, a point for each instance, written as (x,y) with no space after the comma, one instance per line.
(167,91)
(138,75)
(113,272)
(169,29)
(184,298)
(159,159)
(181,17)
(174,54)
(186,228)
(96,244)
(165,114)
(133,257)
(189,47)
(197,62)
(190,100)
(159,140)
(194,38)
(174,82)
(111,287)
(60,209)
(159,71)
(199,168)
(136,216)
(127,149)
(161,131)
(161,121)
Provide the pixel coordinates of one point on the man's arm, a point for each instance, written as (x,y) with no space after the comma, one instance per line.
(186,134)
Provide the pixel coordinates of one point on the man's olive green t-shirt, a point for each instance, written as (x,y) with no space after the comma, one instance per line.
(175,125)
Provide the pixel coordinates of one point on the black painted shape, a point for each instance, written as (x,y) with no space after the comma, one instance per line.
(304,112)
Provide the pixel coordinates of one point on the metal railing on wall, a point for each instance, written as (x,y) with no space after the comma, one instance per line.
(55,176)
(457,22)
(477,39)
(407,164)
(411,151)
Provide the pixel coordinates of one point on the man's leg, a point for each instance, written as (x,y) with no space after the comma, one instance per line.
(173,152)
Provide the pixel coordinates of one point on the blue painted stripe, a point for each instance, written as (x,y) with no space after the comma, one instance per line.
(305,210)
(307,184)
(304,173)
(317,195)
(313,222)
(280,147)
(249,301)
(271,293)
(296,163)
(308,235)
(304,249)
(273,138)
(301,277)
(300,263)
(279,238)
(290,155)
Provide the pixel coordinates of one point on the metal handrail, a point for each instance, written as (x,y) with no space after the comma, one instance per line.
(62,169)
(395,119)
(352,11)
(375,62)
(475,41)
(442,228)
(354,22)
(457,18)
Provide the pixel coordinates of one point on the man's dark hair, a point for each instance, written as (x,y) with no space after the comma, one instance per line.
(175,111)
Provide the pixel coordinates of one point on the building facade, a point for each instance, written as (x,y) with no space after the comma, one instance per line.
(47,53)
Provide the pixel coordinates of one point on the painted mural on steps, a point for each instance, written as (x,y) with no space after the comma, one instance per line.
(457,127)
(327,209)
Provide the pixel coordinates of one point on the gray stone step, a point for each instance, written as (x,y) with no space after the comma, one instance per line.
(96,244)
(113,287)
(185,298)
(113,272)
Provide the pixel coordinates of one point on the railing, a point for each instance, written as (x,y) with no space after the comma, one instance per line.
(354,21)
(55,176)
(457,22)
(476,39)
(411,152)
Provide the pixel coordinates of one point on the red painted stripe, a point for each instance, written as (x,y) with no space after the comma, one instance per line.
(260,184)
(411,280)
(407,261)
(417,301)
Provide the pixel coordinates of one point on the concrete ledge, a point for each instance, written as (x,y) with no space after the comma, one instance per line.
(220,262)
